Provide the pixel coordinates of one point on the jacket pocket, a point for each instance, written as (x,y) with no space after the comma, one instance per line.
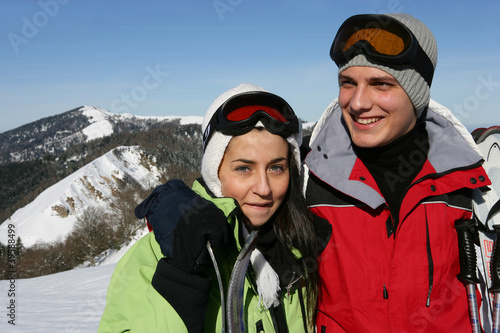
(325,324)
(259,327)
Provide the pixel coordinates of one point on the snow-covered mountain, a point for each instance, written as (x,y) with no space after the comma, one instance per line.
(52,214)
(55,134)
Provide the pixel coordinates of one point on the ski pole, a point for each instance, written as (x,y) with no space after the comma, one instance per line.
(495,281)
(468,262)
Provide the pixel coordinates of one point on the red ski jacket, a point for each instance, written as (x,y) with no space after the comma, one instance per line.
(406,281)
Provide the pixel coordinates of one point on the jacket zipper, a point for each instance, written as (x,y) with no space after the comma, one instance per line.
(289,286)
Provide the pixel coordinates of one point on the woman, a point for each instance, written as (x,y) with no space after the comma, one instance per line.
(251,172)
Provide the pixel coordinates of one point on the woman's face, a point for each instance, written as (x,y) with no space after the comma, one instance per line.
(255,172)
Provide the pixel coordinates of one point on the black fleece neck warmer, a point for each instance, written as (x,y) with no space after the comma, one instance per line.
(396,165)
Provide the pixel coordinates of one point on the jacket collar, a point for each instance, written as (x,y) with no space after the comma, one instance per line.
(332,158)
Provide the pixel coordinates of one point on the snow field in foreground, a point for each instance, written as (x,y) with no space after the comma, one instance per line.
(71,301)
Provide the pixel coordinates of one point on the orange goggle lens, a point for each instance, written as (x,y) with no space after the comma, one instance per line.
(383,41)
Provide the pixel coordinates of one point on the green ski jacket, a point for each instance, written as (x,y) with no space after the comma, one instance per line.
(133,305)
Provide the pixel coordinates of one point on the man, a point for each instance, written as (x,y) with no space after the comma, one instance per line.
(392,171)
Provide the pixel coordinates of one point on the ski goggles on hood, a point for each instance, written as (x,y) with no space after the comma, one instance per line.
(240,113)
(381,38)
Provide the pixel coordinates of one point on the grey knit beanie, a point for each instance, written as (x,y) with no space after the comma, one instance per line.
(415,86)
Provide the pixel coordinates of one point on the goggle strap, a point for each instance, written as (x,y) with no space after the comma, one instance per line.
(423,65)
(209,131)
(269,123)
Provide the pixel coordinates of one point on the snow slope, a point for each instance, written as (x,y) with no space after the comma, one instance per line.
(42,220)
(100,125)
(71,301)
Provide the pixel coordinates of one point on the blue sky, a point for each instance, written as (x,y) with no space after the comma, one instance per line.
(174,57)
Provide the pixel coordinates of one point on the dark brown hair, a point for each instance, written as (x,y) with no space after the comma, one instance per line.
(295,229)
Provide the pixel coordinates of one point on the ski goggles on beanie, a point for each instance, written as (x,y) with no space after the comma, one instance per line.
(240,113)
(381,38)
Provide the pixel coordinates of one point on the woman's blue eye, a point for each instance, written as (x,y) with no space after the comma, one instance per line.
(243,168)
(277,168)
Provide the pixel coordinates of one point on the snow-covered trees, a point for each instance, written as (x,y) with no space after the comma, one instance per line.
(91,235)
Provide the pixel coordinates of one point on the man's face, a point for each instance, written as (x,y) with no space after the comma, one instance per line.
(375,107)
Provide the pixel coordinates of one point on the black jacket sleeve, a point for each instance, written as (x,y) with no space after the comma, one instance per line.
(187,293)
